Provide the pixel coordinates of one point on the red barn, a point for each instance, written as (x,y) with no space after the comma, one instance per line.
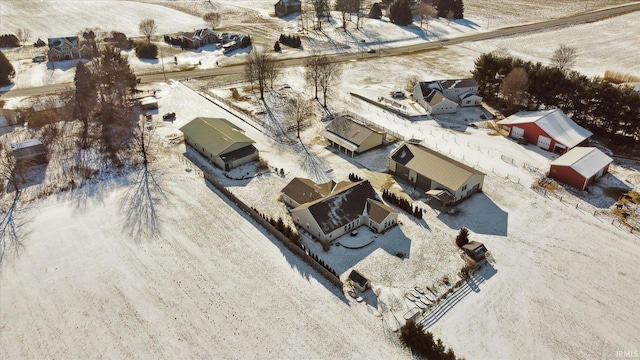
(580,166)
(549,129)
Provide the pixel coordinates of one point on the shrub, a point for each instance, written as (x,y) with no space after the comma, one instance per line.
(9,41)
(146,50)
(121,41)
(375,12)
(400,13)
(463,237)
(291,41)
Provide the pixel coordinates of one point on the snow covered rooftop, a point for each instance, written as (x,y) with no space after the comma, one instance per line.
(587,161)
(554,122)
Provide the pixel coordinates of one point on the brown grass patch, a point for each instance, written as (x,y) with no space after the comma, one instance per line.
(619,78)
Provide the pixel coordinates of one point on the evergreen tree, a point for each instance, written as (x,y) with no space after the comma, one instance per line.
(400,13)
(463,237)
(375,12)
(276,47)
(6,70)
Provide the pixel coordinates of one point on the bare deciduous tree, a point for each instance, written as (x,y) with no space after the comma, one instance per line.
(23,35)
(312,73)
(299,109)
(321,9)
(261,67)
(564,56)
(450,16)
(148,27)
(212,19)
(329,73)
(426,12)
(514,86)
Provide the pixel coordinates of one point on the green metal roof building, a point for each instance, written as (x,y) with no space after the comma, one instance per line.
(220,142)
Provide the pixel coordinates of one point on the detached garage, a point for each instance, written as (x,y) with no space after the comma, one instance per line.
(580,167)
(549,129)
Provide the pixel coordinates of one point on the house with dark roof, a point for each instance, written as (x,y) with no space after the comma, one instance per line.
(29,152)
(455,89)
(220,142)
(286,7)
(446,179)
(67,48)
(580,166)
(349,135)
(199,38)
(549,129)
(337,208)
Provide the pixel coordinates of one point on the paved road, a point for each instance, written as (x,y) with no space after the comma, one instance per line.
(392,51)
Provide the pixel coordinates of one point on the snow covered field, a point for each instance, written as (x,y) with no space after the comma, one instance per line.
(213,285)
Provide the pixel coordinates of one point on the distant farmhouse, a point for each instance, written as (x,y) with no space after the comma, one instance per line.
(549,129)
(67,48)
(444,96)
(199,38)
(286,7)
(220,142)
(29,152)
(329,210)
(580,166)
(443,178)
(349,135)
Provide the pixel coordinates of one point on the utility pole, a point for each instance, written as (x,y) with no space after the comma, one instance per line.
(162,62)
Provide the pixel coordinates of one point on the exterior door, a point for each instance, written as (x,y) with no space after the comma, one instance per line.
(423,182)
(544,142)
(516,132)
(402,171)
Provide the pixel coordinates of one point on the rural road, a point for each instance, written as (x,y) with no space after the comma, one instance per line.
(340,57)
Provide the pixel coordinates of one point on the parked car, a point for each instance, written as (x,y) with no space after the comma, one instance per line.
(371,51)
(169,116)
(354,233)
(39,59)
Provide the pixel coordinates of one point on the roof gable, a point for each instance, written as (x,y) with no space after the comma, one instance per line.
(348,129)
(215,134)
(586,161)
(553,122)
(435,166)
(343,206)
(303,190)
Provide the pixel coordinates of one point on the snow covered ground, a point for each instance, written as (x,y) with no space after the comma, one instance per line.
(214,285)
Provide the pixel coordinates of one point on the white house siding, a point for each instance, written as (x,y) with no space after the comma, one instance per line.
(444,107)
(370,142)
(289,201)
(305,220)
(474,180)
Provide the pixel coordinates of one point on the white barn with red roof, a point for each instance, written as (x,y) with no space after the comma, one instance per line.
(549,129)
(580,166)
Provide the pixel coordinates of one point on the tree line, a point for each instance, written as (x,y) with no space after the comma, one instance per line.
(604,108)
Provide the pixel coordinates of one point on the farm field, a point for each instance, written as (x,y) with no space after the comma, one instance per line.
(214,284)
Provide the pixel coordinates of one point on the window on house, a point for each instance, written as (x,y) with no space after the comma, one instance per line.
(464,187)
